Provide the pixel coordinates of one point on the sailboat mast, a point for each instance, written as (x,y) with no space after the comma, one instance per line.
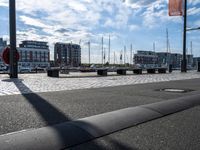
(131,54)
(102,50)
(124,54)
(109,51)
(89,51)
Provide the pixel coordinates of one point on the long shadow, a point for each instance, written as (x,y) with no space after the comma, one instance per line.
(49,113)
(52,115)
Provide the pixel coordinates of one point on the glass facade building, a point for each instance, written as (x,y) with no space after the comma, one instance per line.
(146,59)
(67,54)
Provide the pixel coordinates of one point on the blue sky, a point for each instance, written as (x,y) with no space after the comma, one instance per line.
(136,22)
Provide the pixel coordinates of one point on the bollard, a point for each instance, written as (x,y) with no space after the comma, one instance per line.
(170,68)
(198,66)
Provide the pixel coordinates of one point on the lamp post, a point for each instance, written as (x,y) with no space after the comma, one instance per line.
(184,61)
(13,50)
(190,29)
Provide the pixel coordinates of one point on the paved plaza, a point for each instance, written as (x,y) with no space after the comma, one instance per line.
(32,83)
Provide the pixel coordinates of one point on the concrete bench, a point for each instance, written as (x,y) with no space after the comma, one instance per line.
(137,71)
(162,70)
(64,71)
(151,70)
(102,72)
(121,71)
(53,72)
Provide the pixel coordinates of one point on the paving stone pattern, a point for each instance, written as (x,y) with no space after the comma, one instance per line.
(33,83)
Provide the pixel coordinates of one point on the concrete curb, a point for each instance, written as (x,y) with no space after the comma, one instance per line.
(107,123)
(174,105)
(73,133)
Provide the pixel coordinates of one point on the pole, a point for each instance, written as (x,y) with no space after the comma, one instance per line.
(102,51)
(13,50)
(104,58)
(124,55)
(89,51)
(167,40)
(109,51)
(168,48)
(154,50)
(184,61)
(114,58)
(131,54)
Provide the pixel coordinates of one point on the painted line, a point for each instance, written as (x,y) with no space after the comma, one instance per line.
(76,132)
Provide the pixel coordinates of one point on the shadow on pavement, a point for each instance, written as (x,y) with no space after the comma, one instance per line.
(104,141)
(52,115)
(49,113)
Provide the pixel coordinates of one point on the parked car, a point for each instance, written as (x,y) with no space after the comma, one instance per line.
(24,70)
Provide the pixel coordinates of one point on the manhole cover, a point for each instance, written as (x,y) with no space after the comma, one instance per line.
(175,90)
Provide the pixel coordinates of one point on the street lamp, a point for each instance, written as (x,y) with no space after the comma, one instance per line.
(190,29)
(184,61)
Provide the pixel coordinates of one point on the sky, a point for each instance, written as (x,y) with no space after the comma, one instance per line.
(137,22)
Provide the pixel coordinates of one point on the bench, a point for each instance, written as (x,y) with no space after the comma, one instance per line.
(53,72)
(137,71)
(151,70)
(162,70)
(64,71)
(121,71)
(102,72)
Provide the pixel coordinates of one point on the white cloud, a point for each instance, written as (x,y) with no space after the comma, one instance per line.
(157,13)
(133,27)
(3,3)
(33,22)
(194,11)
(77,6)
(137,4)
(194,2)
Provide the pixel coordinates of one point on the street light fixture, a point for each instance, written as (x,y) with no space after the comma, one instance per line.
(190,29)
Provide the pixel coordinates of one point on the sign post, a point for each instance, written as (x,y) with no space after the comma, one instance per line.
(13,50)
(176,9)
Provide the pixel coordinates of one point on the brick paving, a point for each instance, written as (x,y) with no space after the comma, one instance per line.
(33,83)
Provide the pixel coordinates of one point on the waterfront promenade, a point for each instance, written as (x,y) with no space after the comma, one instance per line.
(30,83)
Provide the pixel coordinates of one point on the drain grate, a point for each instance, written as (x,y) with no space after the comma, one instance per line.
(174,90)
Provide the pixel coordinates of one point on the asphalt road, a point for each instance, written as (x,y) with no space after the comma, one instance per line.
(177,131)
(180,131)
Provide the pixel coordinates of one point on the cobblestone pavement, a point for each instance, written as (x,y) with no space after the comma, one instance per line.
(29,83)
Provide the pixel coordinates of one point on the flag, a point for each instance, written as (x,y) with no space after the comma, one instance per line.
(175,7)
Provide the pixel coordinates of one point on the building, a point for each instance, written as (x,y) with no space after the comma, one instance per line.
(3,44)
(176,59)
(189,58)
(164,58)
(33,54)
(67,54)
(195,61)
(146,59)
